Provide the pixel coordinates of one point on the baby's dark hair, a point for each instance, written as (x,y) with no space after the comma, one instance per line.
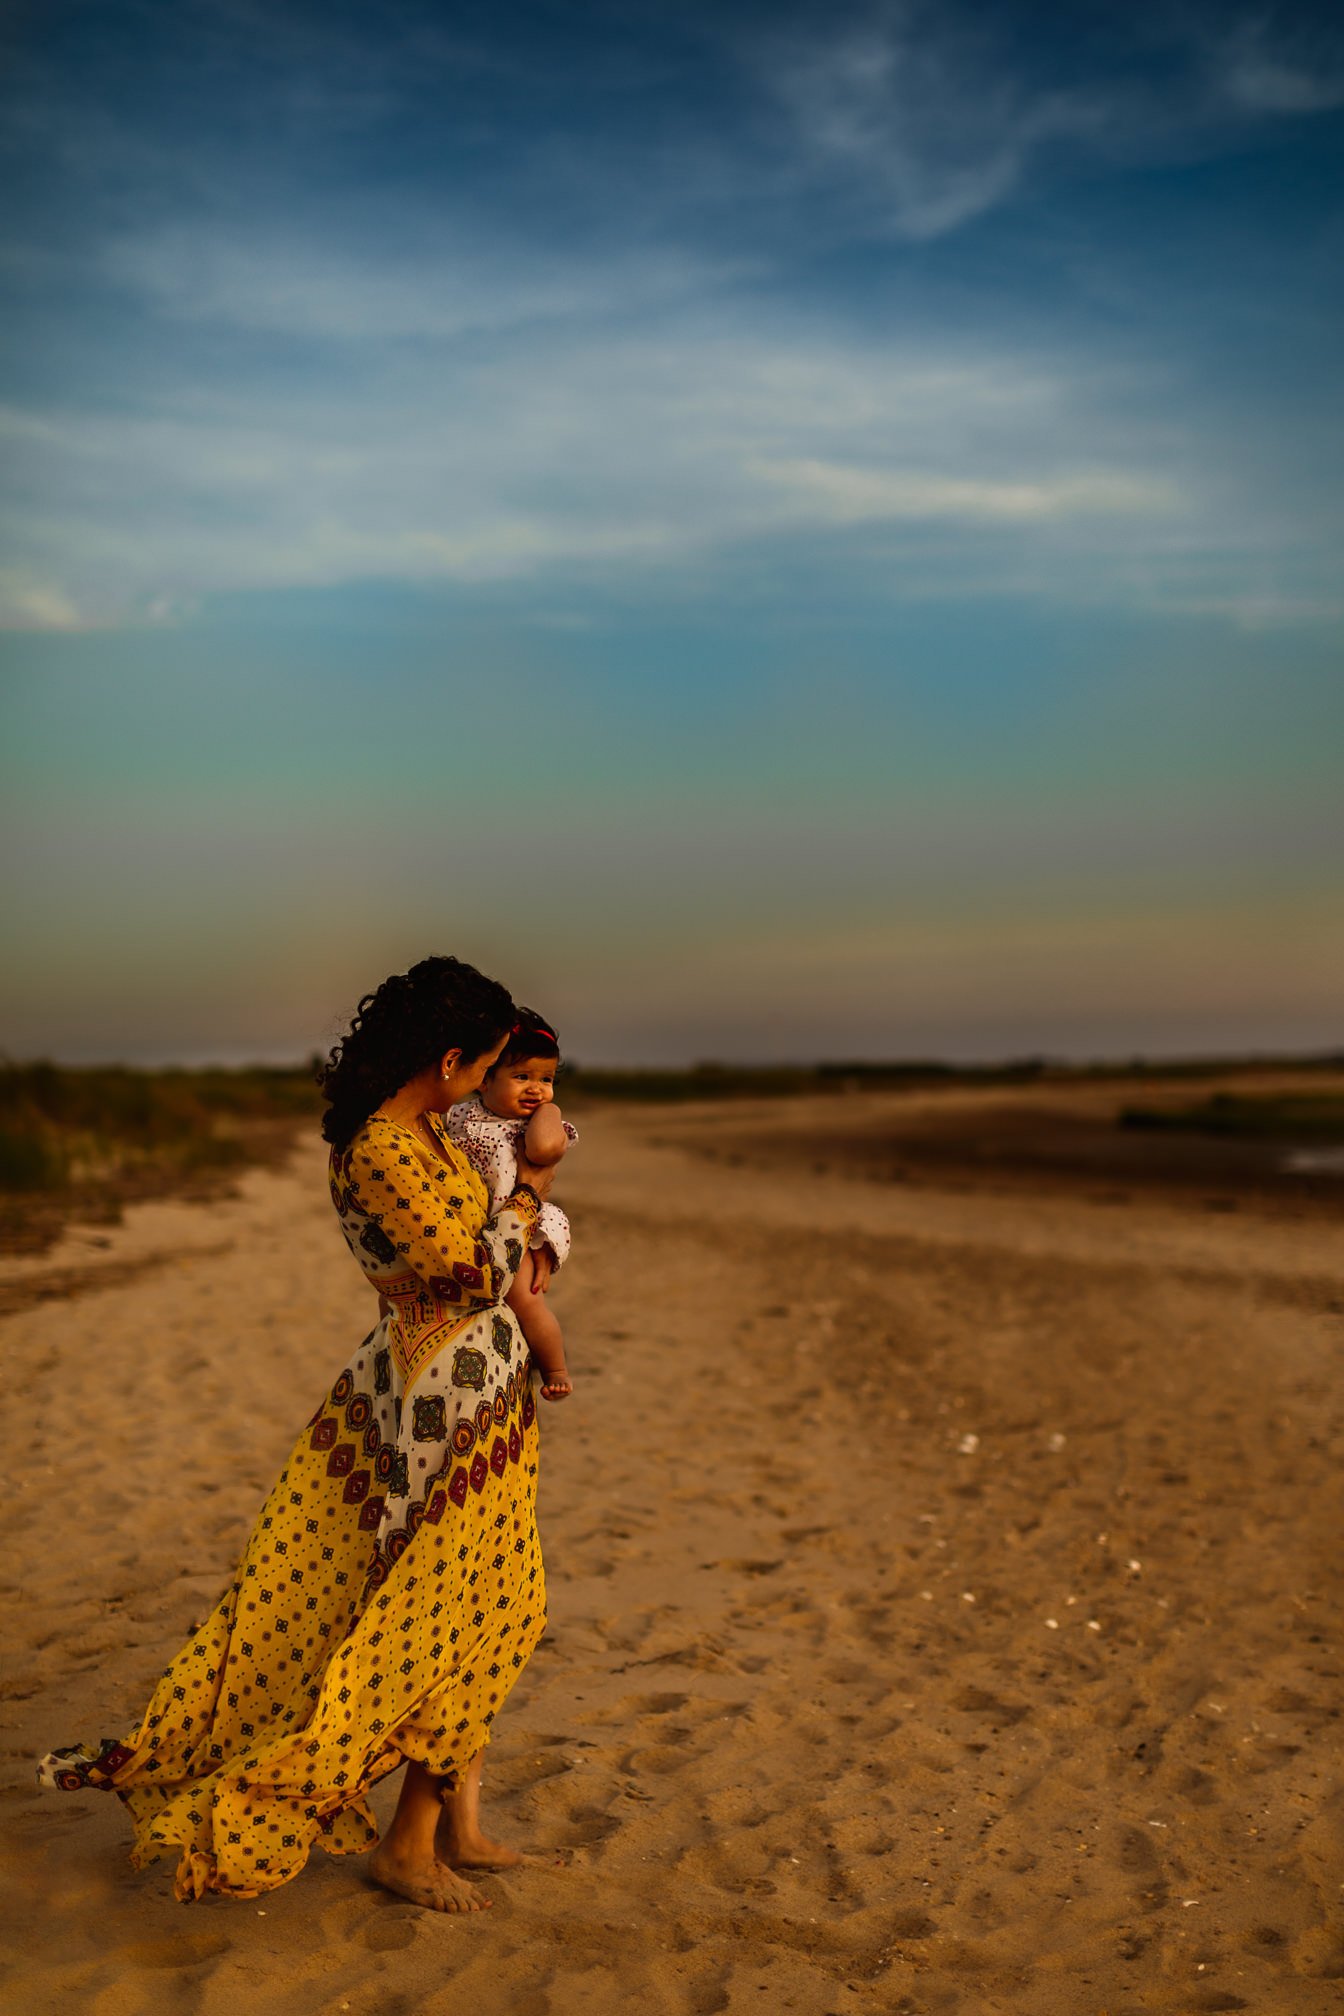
(413,1018)
(529,1037)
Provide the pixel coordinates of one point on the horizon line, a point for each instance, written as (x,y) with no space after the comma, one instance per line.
(1037,1062)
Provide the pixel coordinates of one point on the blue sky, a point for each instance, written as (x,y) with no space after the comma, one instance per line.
(781,531)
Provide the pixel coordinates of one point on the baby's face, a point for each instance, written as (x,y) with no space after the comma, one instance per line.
(514,1091)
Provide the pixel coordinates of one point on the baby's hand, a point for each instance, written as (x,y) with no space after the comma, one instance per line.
(557,1385)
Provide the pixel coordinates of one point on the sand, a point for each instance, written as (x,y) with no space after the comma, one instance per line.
(945,1596)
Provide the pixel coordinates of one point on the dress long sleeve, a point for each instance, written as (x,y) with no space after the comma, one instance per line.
(421,1212)
(553,1231)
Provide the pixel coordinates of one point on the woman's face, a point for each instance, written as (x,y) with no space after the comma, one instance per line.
(462,1076)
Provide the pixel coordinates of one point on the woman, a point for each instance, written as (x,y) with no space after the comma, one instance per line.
(392,1589)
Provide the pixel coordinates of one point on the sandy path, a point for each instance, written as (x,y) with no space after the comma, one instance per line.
(839,1456)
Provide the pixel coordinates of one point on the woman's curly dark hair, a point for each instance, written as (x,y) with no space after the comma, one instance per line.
(441,1004)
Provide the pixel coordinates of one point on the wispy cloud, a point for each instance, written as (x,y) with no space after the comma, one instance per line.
(676,441)
(844,494)
(440,283)
(27,603)
(1269,612)
(912,105)
(931,116)
(1265,69)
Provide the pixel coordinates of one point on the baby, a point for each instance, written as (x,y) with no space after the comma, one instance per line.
(514,1110)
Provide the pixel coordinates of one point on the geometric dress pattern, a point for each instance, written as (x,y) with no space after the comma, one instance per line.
(392,1588)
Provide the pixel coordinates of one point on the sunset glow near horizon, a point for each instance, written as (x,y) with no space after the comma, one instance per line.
(780,532)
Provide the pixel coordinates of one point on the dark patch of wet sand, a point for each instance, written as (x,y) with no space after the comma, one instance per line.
(1069,1139)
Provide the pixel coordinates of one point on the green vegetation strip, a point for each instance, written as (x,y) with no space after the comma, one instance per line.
(62,1128)
(1266,1117)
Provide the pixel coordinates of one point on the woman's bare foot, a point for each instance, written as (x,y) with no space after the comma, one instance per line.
(425,1881)
(475,1851)
(459,1839)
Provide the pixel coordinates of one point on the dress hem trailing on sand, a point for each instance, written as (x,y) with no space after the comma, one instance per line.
(392,1588)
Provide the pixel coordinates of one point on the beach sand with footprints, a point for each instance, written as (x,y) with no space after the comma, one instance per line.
(944,1581)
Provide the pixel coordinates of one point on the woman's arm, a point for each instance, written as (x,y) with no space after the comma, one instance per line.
(418,1213)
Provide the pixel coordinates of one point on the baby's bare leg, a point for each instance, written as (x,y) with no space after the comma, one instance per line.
(545,1338)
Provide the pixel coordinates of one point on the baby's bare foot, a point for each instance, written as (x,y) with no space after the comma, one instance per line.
(428,1882)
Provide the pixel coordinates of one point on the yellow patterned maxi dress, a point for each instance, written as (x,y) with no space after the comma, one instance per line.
(392,1589)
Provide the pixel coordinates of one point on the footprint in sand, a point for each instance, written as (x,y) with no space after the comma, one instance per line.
(911,1925)
(179,1949)
(1139,1860)
(538,1769)
(386,1932)
(975,1701)
(749,1567)
(586,1826)
(659,1758)
(371,1918)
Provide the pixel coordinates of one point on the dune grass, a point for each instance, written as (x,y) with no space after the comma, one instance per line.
(774,1081)
(1307,1118)
(770,1081)
(87,1141)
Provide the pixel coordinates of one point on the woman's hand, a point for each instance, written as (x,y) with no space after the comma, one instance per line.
(536,1175)
(543,1266)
